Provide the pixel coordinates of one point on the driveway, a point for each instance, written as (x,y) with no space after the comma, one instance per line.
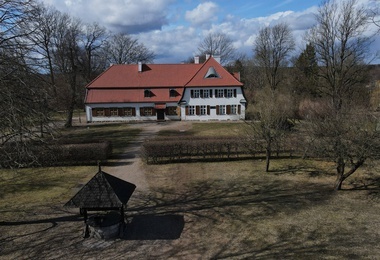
(129,168)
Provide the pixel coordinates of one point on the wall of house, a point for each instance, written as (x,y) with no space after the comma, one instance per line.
(217,103)
(139,112)
(212,104)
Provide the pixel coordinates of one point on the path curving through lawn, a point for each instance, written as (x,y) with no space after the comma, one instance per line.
(130,166)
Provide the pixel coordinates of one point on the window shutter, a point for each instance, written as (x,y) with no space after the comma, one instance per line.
(228,109)
(120,112)
(142,111)
(217,110)
(239,109)
(192,93)
(133,111)
(210,93)
(197,110)
(94,112)
(201,93)
(225,93)
(235,92)
(154,111)
(187,110)
(208,110)
(107,112)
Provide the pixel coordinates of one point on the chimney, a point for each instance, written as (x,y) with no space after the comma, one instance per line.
(207,56)
(196,60)
(217,58)
(140,66)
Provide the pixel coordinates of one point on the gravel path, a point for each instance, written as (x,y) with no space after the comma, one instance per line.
(129,168)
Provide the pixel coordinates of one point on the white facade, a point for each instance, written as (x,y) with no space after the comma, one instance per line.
(195,105)
(137,116)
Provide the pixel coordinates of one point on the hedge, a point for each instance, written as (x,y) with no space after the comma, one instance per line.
(169,150)
(54,154)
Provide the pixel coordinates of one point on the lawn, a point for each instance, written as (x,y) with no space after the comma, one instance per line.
(214,210)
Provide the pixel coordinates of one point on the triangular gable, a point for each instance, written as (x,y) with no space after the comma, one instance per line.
(102,191)
(212,66)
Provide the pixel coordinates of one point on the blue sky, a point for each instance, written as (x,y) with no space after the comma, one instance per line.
(173,29)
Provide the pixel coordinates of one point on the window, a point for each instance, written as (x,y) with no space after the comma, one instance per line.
(222,109)
(203,110)
(230,93)
(219,93)
(233,109)
(171,111)
(114,111)
(147,93)
(195,93)
(146,111)
(98,112)
(129,111)
(172,93)
(206,93)
(211,73)
(191,110)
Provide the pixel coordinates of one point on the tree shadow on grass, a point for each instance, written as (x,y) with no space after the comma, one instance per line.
(53,223)
(218,196)
(154,227)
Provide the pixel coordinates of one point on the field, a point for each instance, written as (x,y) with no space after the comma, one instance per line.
(214,210)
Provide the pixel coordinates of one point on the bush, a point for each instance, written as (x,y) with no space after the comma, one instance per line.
(163,150)
(54,154)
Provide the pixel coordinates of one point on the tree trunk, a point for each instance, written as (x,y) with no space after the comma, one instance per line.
(341,176)
(268,154)
(340,166)
(338,182)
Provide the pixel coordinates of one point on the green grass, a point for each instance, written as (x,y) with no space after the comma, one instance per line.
(229,210)
(209,129)
(24,190)
(218,128)
(118,134)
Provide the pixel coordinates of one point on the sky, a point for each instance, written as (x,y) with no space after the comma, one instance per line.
(173,29)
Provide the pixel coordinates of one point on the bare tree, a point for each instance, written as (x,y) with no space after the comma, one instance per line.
(123,49)
(272,49)
(218,44)
(23,108)
(345,130)
(92,44)
(270,125)
(66,59)
(44,25)
(14,14)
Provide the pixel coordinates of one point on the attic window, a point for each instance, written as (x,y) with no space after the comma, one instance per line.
(211,73)
(147,93)
(172,92)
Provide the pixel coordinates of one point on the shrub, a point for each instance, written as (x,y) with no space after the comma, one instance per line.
(54,154)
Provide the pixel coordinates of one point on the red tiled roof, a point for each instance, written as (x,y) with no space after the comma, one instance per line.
(131,95)
(124,83)
(224,79)
(153,75)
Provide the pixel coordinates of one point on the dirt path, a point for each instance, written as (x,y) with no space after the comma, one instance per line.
(129,168)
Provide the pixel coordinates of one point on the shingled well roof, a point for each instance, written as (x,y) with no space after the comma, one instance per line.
(102,191)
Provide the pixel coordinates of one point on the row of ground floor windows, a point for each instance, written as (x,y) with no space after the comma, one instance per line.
(131,111)
(170,111)
(220,110)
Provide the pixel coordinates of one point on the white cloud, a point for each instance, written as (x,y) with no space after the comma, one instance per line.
(148,21)
(204,13)
(128,15)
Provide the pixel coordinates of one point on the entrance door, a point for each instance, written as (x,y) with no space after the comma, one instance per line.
(160,114)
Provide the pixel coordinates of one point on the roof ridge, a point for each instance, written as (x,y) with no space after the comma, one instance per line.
(196,73)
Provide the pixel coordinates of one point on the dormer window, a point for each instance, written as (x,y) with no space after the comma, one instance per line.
(172,92)
(147,93)
(211,73)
